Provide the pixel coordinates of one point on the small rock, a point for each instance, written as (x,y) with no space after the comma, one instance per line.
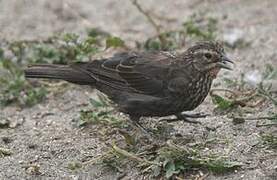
(233,36)
(238,120)
(5,152)
(33,170)
(4,123)
(16,123)
(74,165)
(253,77)
(272,83)
(32,146)
(6,139)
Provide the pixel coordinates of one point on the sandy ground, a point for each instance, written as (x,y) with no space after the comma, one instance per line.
(46,135)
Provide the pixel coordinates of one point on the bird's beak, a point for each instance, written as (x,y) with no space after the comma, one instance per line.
(224,63)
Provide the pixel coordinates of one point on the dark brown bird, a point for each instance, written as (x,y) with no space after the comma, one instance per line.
(147,83)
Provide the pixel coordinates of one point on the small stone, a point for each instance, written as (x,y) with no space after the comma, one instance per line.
(4,123)
(33,170)
(6,140)
(233,36)
(74,165)
(238,120)
(16,123)
(5,152)
(32,146)
(253,77)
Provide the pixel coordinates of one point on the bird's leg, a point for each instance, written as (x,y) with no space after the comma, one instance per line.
(135,123)
(184,117)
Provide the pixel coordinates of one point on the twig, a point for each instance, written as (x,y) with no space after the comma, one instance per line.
(93,161)
(132,156)
(223,90)
(5,152)
(85,21)
(263,125)
(151,21)
(239,101)
(204,176)
(257,118)
(266,94)
(147,15)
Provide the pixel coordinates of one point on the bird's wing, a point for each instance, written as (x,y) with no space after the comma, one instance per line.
(136,72)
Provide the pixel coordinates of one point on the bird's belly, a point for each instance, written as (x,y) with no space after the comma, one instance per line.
(162,107)
(147,105)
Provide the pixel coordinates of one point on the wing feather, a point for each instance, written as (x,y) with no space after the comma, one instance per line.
(135,72)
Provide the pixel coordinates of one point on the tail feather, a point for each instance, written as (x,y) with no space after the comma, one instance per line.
(62,72)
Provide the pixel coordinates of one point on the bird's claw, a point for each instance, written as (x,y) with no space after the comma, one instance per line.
(197,115)
(180,119)
(185,118)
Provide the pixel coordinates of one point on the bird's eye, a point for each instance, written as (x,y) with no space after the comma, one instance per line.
(208,55)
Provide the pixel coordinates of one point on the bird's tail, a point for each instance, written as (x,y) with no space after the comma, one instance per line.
(62,72)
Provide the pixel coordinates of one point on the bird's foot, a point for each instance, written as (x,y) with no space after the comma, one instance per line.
(185,118)
(196,115)
(143,129)
(181,119)
(145,132)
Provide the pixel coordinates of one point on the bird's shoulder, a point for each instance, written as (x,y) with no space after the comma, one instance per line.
(135,58)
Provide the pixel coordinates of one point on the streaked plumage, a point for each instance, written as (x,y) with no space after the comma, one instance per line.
(146,83)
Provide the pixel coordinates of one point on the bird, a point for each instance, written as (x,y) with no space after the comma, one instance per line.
(147,83)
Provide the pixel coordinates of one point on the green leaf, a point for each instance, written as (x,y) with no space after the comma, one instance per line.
(204,29)
(170,170)
(95,32)
(221,102)
(221,165)
(95,103)
(14,87)
(74,165)
(270,140)
(270,72)
(1,53)
(70,37)
(152,44)
(114,42)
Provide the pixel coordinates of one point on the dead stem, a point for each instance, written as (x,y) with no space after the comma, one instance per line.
(95,160)
(269,124)
(243,101)
(256,118)
(151,21)
(266,94)
(132,156)
(147,15)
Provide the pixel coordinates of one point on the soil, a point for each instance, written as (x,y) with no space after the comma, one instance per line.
(45,137)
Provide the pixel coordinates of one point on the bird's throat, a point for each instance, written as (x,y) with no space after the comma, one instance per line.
(213,73)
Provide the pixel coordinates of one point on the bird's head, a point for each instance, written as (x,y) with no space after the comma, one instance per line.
(209,57)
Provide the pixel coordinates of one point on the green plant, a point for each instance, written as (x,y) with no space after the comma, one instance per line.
(165,41)
(176,159)
(270,140)
(101,113)
(221,102)
(5,152)
(63,49)
(114,42)
(14,88)
(201,28)
(198,28)
(168,161)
